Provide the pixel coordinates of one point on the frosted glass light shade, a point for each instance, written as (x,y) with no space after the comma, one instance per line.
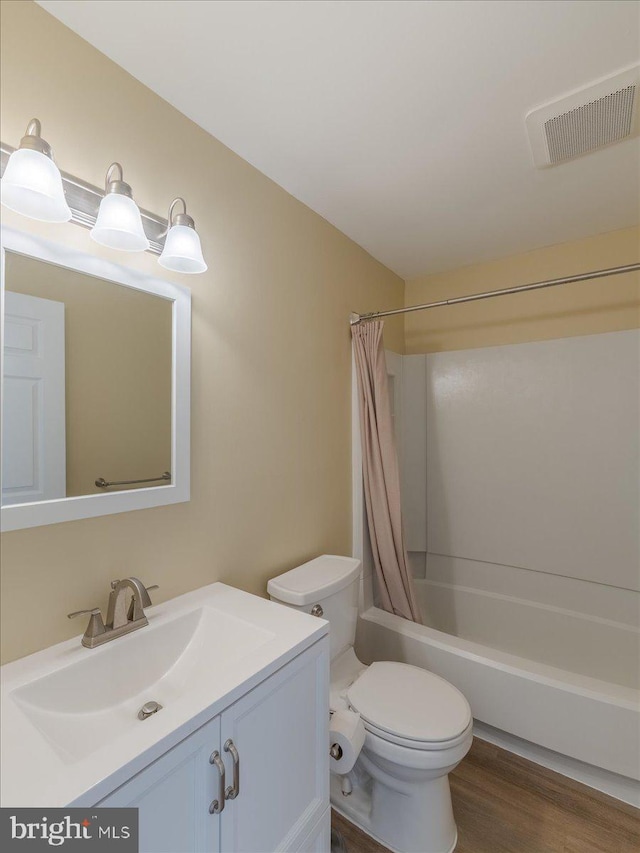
(182,251)
(119,225)
(32,185)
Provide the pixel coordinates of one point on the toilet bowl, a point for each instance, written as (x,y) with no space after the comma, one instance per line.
(418,726)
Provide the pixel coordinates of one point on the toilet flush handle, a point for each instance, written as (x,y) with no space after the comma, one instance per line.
(317,610)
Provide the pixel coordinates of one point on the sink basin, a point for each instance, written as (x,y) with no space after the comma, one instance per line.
(69,716)
(85,704)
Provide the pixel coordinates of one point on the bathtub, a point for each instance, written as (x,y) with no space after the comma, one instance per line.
(592,724)
(549,664)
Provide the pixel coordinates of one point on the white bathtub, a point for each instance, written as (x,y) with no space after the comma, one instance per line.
(592,721)
(549,663)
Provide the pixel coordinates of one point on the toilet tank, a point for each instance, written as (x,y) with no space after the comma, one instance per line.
(331,582)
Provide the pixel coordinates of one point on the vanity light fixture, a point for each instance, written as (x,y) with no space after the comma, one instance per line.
(32,184)
(118,224)
(182,250)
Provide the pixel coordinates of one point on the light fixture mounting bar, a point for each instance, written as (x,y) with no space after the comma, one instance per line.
(84,200)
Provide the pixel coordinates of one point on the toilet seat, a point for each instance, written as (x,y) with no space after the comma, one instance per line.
(409,706)
(416,745)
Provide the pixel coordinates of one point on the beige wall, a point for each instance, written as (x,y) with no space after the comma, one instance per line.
(117,373)
(271,477)
(603,305)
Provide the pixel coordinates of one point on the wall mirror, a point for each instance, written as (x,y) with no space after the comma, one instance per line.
(95,386)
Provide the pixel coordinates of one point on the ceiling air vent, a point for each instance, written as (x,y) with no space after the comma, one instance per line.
(585,120)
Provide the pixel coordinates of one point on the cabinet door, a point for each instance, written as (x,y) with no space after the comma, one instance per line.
(281,732)
(173,796)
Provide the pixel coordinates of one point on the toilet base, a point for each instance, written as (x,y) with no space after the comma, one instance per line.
(357,809)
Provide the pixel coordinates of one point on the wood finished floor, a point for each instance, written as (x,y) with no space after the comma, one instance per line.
(506,804)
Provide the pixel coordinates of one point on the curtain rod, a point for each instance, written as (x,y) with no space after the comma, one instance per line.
(537,285)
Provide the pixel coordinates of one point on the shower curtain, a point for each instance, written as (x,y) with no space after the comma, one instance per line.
(381,474)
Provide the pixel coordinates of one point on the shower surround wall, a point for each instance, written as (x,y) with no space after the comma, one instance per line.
(520,473)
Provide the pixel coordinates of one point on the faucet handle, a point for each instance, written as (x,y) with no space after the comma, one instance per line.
(94,611)
(95,626)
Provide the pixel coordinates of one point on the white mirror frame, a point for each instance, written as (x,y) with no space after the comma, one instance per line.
(19,516)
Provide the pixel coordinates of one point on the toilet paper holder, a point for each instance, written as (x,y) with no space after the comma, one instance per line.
(335,751)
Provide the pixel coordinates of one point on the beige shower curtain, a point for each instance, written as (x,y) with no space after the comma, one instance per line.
(381,475)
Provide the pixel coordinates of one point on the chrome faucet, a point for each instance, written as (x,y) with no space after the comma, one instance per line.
(124,614)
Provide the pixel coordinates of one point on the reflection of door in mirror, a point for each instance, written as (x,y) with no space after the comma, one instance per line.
(33,439)
(113,397)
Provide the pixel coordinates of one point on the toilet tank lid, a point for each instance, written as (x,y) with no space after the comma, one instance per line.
(317,579)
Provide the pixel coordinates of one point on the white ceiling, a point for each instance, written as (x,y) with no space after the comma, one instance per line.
(402,123)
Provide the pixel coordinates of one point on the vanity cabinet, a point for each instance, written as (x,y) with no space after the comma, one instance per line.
(280,731)
(172,796)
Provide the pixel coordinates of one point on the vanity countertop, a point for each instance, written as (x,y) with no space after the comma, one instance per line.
(69,727)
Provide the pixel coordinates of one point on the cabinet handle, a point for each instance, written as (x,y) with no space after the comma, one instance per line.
(218,805)
(233,790)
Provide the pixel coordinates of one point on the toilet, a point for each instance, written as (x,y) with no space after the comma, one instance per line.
(418,726)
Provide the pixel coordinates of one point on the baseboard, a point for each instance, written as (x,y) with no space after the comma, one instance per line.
(619,787)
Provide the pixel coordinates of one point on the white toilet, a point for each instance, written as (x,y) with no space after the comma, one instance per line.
(418,726)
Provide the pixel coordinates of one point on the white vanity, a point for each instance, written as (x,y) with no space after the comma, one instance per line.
(236,759)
